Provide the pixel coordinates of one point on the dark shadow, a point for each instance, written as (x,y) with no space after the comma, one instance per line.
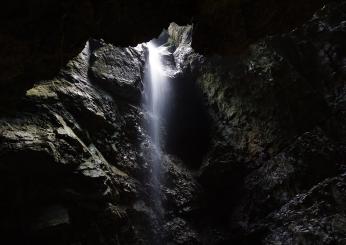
(188,123)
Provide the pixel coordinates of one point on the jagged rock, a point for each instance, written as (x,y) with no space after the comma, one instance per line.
(119,71)
(60,151)
(78,154)
(89,133)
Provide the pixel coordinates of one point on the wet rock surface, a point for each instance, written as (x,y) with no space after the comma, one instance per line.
(75,154)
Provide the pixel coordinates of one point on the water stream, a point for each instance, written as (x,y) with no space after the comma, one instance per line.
(156,84)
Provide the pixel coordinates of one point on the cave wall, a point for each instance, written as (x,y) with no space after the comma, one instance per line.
(74,151)
(278,151)
(76,157)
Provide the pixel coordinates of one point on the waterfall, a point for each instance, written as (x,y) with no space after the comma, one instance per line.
(158,86)
(156,94)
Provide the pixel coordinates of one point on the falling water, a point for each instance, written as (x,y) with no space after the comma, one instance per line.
(156,93)
(157,85)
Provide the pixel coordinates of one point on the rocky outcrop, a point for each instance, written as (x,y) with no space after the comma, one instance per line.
(254,153)
(60,177)
(76,160)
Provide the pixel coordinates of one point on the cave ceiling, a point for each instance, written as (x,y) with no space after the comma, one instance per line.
(38,37)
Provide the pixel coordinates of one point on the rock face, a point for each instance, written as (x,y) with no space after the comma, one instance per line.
(254,153)
(75,158)
(60,184)
(274,149)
